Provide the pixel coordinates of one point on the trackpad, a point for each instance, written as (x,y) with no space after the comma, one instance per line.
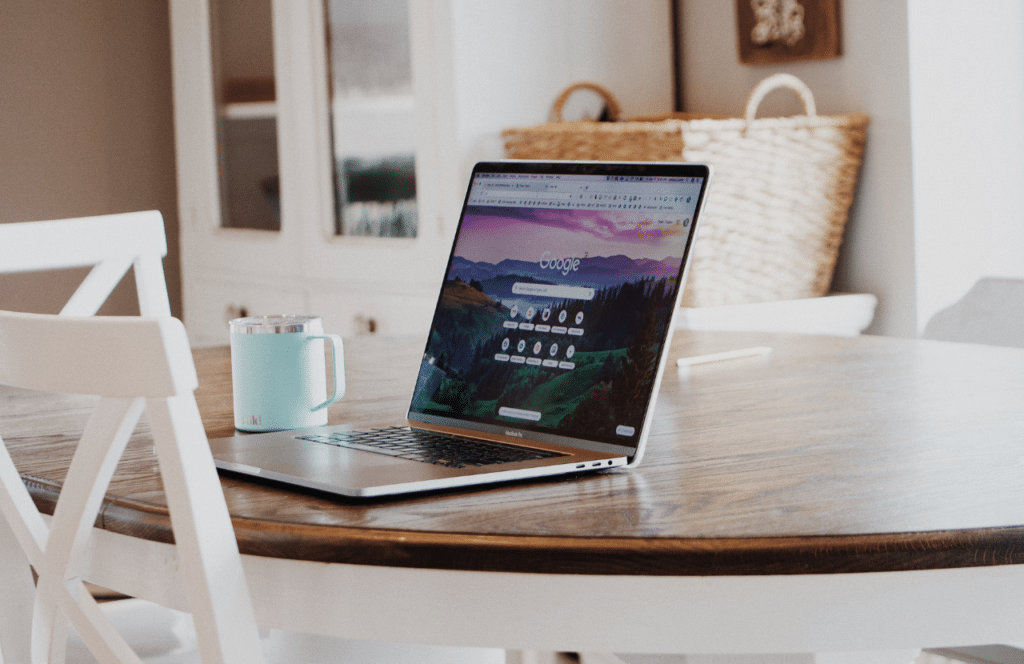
(307,460)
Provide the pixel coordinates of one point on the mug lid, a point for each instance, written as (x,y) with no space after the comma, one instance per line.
(282,324)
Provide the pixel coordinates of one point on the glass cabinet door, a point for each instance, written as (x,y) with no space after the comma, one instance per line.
(246,114)
(372,117)
(299,125)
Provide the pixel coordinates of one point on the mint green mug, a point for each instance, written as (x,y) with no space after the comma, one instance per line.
(279,372)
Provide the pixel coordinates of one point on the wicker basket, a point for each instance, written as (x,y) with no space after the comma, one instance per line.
(777,205)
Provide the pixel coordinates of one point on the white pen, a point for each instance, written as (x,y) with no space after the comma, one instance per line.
(724,356)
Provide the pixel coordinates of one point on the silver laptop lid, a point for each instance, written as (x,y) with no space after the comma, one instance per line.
(555,314)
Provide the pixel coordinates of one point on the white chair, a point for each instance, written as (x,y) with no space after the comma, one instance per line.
(840,314)
(110,244)
(113,244)
(132,364)
(992,312)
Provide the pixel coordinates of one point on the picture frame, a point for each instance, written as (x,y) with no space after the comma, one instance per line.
(778,31)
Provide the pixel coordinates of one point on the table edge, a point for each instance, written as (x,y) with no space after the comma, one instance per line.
(678,556)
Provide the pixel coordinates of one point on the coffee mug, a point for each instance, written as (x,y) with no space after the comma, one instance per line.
(279,373)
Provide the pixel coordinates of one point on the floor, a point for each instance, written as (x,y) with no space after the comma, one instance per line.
(975,655)
(172,646)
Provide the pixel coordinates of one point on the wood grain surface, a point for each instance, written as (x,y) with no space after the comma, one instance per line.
(830,455)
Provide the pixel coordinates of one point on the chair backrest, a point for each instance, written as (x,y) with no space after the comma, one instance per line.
(132,364)
(111,244)
(992,312)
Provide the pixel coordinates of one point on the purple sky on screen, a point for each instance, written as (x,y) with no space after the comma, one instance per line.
(494,234)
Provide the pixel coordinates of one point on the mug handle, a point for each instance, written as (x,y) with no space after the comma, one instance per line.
(338,355)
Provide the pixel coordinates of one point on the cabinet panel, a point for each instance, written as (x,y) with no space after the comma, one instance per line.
(250,182)
(244,87)
(221,301)
(350,313)
(373,114)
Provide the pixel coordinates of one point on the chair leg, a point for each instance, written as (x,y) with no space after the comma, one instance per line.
(18,592)
(215,583)
(540,657)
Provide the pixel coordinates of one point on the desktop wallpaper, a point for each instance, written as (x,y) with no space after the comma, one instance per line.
(553,320)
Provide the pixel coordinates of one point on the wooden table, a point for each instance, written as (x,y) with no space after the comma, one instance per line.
(842,494)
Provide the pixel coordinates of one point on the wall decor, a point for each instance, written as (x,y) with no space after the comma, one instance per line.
(775,31)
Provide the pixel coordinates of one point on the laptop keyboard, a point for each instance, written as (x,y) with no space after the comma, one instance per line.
(440,449)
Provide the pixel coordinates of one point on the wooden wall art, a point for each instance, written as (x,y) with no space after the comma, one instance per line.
(774,31)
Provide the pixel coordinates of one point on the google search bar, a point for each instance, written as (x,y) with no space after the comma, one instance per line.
(551,290)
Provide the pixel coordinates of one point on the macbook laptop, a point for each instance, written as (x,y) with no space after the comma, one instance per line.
(547,344)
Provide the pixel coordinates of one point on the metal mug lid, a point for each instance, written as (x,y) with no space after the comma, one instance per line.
(281,324)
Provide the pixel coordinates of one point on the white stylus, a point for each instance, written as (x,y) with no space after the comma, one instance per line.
(724,356)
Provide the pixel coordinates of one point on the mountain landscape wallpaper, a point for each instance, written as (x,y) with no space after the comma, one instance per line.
(577,366)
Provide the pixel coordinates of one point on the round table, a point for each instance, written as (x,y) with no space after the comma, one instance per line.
(839,494)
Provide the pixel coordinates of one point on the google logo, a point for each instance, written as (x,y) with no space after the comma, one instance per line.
(563,265)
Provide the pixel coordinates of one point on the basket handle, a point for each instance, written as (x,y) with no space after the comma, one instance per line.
(611,103)
(780,81)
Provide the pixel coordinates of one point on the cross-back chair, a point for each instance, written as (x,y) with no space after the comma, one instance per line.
(110,244)
(113,244)
(992,312)
(132,364)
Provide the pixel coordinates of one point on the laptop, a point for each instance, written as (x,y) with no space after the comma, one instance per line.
(547,345)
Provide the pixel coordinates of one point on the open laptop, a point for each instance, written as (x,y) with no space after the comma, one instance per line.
(548,340)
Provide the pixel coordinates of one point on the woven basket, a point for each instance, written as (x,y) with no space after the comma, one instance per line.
(779,200)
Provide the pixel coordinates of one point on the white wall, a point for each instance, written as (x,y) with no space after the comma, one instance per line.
(967,102)
(495,65)
(512,59)
(942,82)
(85,127)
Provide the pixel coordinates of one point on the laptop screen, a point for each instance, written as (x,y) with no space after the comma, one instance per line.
(557,299)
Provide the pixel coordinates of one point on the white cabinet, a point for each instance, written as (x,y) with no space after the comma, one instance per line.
(233,260)
(476,67)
